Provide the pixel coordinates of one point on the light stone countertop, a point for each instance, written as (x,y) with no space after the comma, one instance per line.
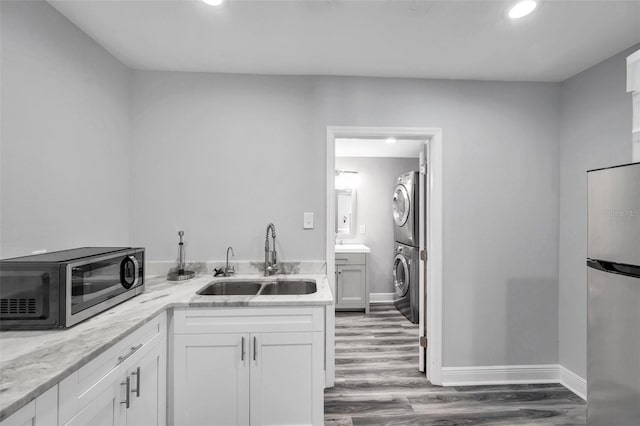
(352,248)
(31,362)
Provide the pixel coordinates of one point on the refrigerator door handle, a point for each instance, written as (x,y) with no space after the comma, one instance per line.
(614,268)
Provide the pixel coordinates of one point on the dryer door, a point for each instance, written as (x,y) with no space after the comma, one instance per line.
(401,205)
(401,275)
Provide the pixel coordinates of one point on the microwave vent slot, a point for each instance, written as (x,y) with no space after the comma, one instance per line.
(18,306)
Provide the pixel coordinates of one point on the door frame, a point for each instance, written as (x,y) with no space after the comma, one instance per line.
(433,138)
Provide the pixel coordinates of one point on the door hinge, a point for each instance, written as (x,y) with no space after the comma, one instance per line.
(423,255)
(424,342)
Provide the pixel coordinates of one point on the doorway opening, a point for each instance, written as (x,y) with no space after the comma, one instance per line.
(343,224)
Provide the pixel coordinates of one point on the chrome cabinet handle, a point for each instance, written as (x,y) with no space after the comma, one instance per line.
(242,352)
(137,389)
(255,348)
(127,383)
(341,259)
(128,354)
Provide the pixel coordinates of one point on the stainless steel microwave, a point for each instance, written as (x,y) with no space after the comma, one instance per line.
(62,288)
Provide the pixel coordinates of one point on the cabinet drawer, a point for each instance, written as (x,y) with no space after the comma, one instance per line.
(350,258)
(243,320)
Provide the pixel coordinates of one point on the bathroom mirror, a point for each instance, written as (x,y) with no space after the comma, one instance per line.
(345,213)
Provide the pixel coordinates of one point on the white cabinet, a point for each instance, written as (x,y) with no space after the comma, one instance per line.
(43,411)
(351,282)
(249,366)
(148,390)
(211,379)
(131,394)
(284,372)
(126,385)
(97,395)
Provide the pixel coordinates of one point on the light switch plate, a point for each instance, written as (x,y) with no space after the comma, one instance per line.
(363,229)
(308,220)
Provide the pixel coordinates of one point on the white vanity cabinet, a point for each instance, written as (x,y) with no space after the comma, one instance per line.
(352,290)
(126,385)
(248,366)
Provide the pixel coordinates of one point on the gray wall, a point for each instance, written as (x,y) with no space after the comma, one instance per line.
(500,204)
(377,180)
(65,135)
(221,156)
(595,132)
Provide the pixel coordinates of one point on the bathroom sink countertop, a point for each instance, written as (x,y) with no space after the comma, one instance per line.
(31,362)
(352,248)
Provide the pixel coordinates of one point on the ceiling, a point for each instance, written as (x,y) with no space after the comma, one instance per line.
(403,148)
(379,38)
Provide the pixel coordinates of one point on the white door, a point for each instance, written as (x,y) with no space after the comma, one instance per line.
(286,369)
(211,379)
(148,391)
(422,244)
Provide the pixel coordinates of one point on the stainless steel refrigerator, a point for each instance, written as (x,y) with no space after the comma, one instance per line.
(613,316)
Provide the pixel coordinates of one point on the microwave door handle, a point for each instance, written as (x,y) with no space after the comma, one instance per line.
(136,271)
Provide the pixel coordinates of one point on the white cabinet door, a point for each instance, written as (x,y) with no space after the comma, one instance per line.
(351,286)
(26,416)
(286,378)
(107,409)
(148,388)
(211,379)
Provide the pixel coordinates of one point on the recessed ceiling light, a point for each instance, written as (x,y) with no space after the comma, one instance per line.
(522,8)
(390,140)
(213,2)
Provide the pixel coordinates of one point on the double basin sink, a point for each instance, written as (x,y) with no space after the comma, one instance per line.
(258,288)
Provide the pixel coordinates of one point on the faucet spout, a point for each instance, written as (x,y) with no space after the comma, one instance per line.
(229,270)
(270,256)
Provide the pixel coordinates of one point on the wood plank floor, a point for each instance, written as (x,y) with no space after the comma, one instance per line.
(378,383)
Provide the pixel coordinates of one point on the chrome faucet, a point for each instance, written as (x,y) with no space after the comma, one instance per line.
(270,256)
(229,270)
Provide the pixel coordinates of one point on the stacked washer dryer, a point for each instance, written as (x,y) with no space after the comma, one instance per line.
(406,260)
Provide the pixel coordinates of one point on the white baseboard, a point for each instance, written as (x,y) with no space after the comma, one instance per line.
(514,374)
(380,297)
(573,382)
(500,375)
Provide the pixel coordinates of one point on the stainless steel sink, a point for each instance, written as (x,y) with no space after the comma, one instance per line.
(230,288)
(250,288)
(289,287)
